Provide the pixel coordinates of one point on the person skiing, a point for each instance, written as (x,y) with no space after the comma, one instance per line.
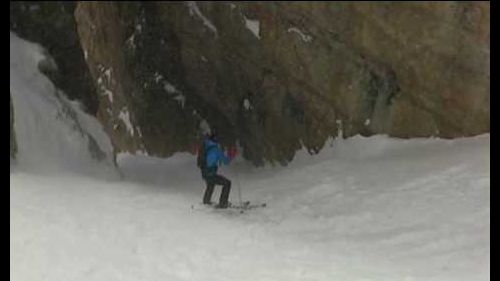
(210,157)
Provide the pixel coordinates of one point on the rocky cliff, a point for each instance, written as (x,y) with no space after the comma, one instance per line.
(276,76)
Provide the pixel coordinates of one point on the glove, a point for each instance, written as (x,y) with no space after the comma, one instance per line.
(232,152)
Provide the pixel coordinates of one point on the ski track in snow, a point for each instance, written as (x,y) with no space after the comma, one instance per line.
(366,209)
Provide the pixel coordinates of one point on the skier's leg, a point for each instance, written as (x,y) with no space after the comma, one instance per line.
(226,188)
(208,191)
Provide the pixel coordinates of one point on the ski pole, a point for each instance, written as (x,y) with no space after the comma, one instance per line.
(239,188)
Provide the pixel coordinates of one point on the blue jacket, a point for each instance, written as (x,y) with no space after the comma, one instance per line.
(215,155)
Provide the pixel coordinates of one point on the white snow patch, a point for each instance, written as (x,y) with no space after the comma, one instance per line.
(108,94)
(85,54)
(124,156)
(169,87)
(139,132)
(124,116)
(194,10)
(367,122)
(107,73)
(233,6)
(158,77)
(131,41)
(253,26)
(138,28)
(303,37)
(246,104)
(181,99)
(104,91)
(375,209)
(100,84)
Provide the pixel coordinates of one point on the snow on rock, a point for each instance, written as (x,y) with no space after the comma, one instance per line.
(181,99)
(131,41)
(340,130)
(367,122)
(138,28)
(253,26)
(108,94)
(377,209)
(105,72)
(138,129)
(303,37)
(247,105)
(169,87)
(91,125)
(194,10)
(52,132)
(158,77)
(124,116)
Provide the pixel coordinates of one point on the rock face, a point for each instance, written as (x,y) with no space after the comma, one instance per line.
(278,76)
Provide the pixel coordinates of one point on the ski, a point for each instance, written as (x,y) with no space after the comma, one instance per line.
(247,205)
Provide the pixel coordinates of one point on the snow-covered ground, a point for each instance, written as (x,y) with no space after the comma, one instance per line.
(365,209)
(374,208)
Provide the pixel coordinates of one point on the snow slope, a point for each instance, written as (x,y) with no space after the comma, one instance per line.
(366,209)
(52,132)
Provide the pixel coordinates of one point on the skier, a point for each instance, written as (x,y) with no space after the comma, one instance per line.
(210,156)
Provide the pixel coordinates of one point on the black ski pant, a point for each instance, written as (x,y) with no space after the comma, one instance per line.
(213,180)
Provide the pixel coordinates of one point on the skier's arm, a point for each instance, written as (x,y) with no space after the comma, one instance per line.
(223,157)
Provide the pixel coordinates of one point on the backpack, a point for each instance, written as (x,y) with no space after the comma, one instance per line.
(201,160)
